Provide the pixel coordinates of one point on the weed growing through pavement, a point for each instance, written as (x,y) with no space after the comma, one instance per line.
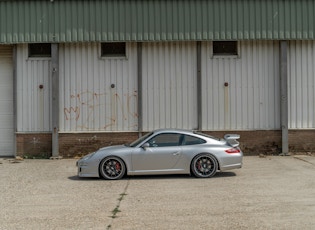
(116,209)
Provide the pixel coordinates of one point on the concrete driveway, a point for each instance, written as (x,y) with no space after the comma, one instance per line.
(267,193)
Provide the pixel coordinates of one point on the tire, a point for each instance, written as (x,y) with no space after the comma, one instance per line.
(112,168)
(204,165)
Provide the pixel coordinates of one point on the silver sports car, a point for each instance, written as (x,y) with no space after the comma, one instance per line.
(164,151)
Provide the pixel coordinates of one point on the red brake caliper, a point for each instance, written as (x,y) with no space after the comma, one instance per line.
(199,165)
(117,165)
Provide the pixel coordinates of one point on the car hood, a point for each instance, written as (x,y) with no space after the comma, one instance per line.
(115,149)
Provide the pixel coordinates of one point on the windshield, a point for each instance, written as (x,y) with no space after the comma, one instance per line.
(137,142)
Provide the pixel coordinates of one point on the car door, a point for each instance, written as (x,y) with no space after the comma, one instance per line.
(162,154)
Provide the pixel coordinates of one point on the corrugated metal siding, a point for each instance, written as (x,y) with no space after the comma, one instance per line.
(33,103)
(164,20)
(252,99)
(169,85)
(301,91)
(87,100)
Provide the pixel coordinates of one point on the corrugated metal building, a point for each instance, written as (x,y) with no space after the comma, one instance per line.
(216,66)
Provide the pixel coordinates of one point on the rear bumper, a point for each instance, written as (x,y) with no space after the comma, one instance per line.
(232,166)
(231,161)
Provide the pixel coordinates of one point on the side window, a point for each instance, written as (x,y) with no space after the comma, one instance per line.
(113,49)
(165,139)
(225,48)
(39,50)
(190,140)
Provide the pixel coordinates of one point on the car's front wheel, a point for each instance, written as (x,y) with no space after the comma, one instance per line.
(112,168)
(204,165)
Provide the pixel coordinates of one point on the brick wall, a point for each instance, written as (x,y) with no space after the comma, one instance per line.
(78,144)
(269,141)
(36,145)
(302,141)
(256,142)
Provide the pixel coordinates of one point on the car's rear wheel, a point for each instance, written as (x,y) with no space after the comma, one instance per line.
(112,168)
(204,165)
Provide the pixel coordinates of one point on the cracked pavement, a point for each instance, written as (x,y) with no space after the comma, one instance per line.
(269,192)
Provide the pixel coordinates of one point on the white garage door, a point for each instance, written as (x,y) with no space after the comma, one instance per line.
(6,102)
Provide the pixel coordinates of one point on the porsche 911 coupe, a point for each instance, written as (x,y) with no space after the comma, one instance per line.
(165,151)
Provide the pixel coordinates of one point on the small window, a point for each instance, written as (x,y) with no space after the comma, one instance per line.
(39,50)
(190,140)
(113,49)
(221,48)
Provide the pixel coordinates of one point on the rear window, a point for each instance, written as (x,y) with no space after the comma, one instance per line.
(190,140)
(206,135)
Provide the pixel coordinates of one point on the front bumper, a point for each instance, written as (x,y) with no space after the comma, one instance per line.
(87,168)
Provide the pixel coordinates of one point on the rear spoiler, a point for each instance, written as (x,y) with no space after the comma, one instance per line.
(231,139)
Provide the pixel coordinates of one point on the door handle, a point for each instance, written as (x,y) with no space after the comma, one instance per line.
(176,153)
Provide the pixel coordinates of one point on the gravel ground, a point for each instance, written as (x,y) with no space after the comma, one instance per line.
(267,193)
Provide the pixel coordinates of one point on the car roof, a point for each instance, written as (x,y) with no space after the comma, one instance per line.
(183,131)
(187,132)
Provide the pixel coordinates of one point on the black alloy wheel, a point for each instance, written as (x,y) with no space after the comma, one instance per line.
(204,165)
(112,168)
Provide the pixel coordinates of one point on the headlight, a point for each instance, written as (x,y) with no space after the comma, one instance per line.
(83,160)
(87,156)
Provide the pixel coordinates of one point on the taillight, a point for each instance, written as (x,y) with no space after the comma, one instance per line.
(233,150)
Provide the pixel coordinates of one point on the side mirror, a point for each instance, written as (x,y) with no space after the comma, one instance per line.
(145,145)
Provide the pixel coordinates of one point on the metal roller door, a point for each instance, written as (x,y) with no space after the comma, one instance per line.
(6,102)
